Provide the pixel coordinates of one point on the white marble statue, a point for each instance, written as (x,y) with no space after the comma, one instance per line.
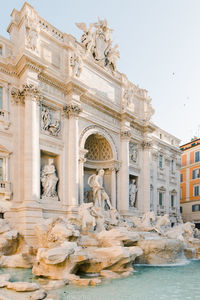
(132,193)
(76,63)
(49,179)
(46,118)
(96,40)
(162,223)
(49,124)
(133,152)
(146,222)
(99,193)
(31,33)
(87,220)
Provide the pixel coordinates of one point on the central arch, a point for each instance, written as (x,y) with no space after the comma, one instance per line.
(98,151)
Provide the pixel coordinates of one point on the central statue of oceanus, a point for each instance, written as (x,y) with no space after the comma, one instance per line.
(99,193)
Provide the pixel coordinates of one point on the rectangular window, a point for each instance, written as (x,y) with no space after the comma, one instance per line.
(160,161)
(196,190)
(181,177)
(1,51)
(197,156)
(1,168)
(196,207)
(160,198)
(172,200)
(172,165)
(196,173)
(1,97)
(181,209)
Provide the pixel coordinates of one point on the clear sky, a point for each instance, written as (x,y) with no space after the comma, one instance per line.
(159,43)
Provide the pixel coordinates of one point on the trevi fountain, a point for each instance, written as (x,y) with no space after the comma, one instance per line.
(89,185)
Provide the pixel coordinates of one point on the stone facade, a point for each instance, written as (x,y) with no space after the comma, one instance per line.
(66,112)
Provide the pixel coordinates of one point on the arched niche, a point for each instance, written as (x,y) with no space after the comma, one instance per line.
(97,151)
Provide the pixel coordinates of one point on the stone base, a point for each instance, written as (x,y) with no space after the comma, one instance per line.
(132,212)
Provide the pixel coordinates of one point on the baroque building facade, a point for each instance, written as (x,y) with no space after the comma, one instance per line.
(66,112)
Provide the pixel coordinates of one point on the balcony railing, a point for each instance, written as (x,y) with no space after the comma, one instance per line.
(5,188)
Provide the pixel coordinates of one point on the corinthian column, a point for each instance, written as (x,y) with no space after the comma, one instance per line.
(31,144)
(123,204)
(144,180)
(71,112)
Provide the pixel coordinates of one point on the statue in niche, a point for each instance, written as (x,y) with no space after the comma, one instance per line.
(133,152)
(99,193)
(31,33)
(132,193)
(49,179)
(76,64)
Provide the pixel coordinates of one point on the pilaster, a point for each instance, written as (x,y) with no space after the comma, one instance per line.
(123,204)
(71,112)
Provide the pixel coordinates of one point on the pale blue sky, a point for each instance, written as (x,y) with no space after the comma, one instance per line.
(159,42)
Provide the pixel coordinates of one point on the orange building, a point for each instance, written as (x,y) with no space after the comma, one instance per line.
(190,182)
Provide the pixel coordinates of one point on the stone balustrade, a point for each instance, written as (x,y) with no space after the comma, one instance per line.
(51,30)
(5,188)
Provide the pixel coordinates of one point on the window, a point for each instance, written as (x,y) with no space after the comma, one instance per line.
(1,50)
(181,209)
(160,161)
(197,156)
(181,177)
(172,200)
(1,168)
(196,190)
(160,198)
(196,173)
(196,207)
(1,97)
(160,136)
(172,165)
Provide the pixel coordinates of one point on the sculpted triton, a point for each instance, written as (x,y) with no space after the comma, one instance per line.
(99,193)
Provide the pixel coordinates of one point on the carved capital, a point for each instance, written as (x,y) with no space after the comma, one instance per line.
(71,110)
(146,144)
(125,134)
(19,96)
